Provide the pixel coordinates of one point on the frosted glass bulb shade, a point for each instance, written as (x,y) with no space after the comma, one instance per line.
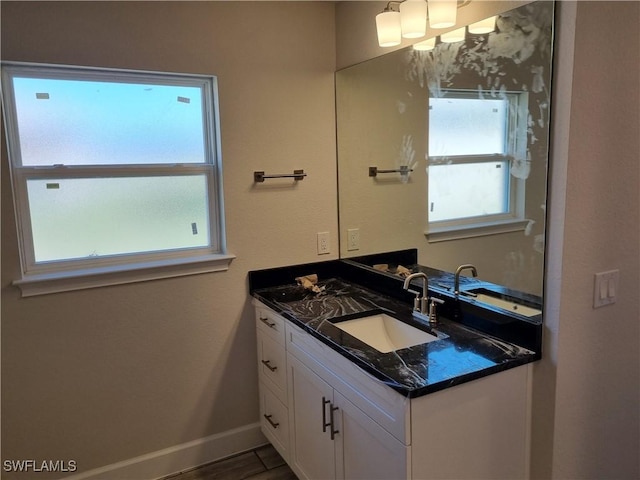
(425,45)
(413,18)
(453,36)
(388,27)
(442,13)
(483,26)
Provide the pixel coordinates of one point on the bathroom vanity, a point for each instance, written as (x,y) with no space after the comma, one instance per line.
(336,404)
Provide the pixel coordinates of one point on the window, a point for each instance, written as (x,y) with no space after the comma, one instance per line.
(477,164)
(116,175)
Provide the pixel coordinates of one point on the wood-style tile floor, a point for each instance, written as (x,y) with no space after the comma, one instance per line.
(263,463)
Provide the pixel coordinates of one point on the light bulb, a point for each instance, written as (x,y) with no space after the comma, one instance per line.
(413,18)
(453,36)
(388,27)
(425,45)
(442,13)
(483,26)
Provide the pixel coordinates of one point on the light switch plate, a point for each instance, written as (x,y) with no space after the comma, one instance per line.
(605,288)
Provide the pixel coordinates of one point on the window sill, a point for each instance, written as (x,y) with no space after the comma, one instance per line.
(43,284)
(442,234)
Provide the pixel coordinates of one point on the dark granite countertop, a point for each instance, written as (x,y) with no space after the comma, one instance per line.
(460,354)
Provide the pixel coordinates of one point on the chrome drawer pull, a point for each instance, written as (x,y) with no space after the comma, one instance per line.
(268,365)
(332,431)
(324,414)
(267,322)
(273,424)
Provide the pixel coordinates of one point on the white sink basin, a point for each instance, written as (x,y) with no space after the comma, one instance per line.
(508,305)
(385,333)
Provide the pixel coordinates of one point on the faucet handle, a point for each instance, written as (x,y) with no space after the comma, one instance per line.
(433,314)
(417,301)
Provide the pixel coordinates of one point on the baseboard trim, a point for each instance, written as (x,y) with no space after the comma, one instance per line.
(179,457)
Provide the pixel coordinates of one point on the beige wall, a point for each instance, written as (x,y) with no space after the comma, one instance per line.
(597,427)
(104,375)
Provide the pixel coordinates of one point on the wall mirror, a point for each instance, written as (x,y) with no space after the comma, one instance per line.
(446,151)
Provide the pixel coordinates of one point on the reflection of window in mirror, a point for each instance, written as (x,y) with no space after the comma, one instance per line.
(473,141)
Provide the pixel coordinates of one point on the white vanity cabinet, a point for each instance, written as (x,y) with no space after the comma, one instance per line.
(342,423)
(332,437)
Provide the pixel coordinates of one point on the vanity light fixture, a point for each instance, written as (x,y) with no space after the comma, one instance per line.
(410,18)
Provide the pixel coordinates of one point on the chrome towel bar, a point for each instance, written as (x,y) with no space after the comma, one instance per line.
(260,176)
(403,170)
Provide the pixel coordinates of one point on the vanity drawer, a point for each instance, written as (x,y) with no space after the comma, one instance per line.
(274,420)
(270,323)
(272,364)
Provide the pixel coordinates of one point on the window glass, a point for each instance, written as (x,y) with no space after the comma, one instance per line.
(468,190)
(89,122)
(93,217)
(467,126)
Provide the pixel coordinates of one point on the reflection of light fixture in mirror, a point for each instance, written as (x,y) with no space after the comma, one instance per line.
(388,27)
(425,45)
(442,13)
(453,36)
(483,26)
(413,18)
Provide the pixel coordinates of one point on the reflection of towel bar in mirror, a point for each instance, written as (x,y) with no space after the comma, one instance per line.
(403,170)
(297,175)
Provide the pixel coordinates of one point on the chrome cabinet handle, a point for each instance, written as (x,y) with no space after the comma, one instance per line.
(332,431)
(268,365)
(267,322)
(273,424)
(324,415)
(330,423)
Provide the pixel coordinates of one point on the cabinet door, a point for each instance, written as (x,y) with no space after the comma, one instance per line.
(310,402)
(364,450)
(476,430)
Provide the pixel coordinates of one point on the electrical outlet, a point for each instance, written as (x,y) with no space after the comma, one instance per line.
(353,239)
(324,244)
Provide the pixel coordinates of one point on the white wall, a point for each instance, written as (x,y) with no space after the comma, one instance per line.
(104,375)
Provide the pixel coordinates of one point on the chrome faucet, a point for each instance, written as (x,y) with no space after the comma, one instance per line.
(420,303)
(456,280)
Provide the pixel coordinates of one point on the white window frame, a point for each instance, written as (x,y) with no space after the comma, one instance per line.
(64,275)
(516,139)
